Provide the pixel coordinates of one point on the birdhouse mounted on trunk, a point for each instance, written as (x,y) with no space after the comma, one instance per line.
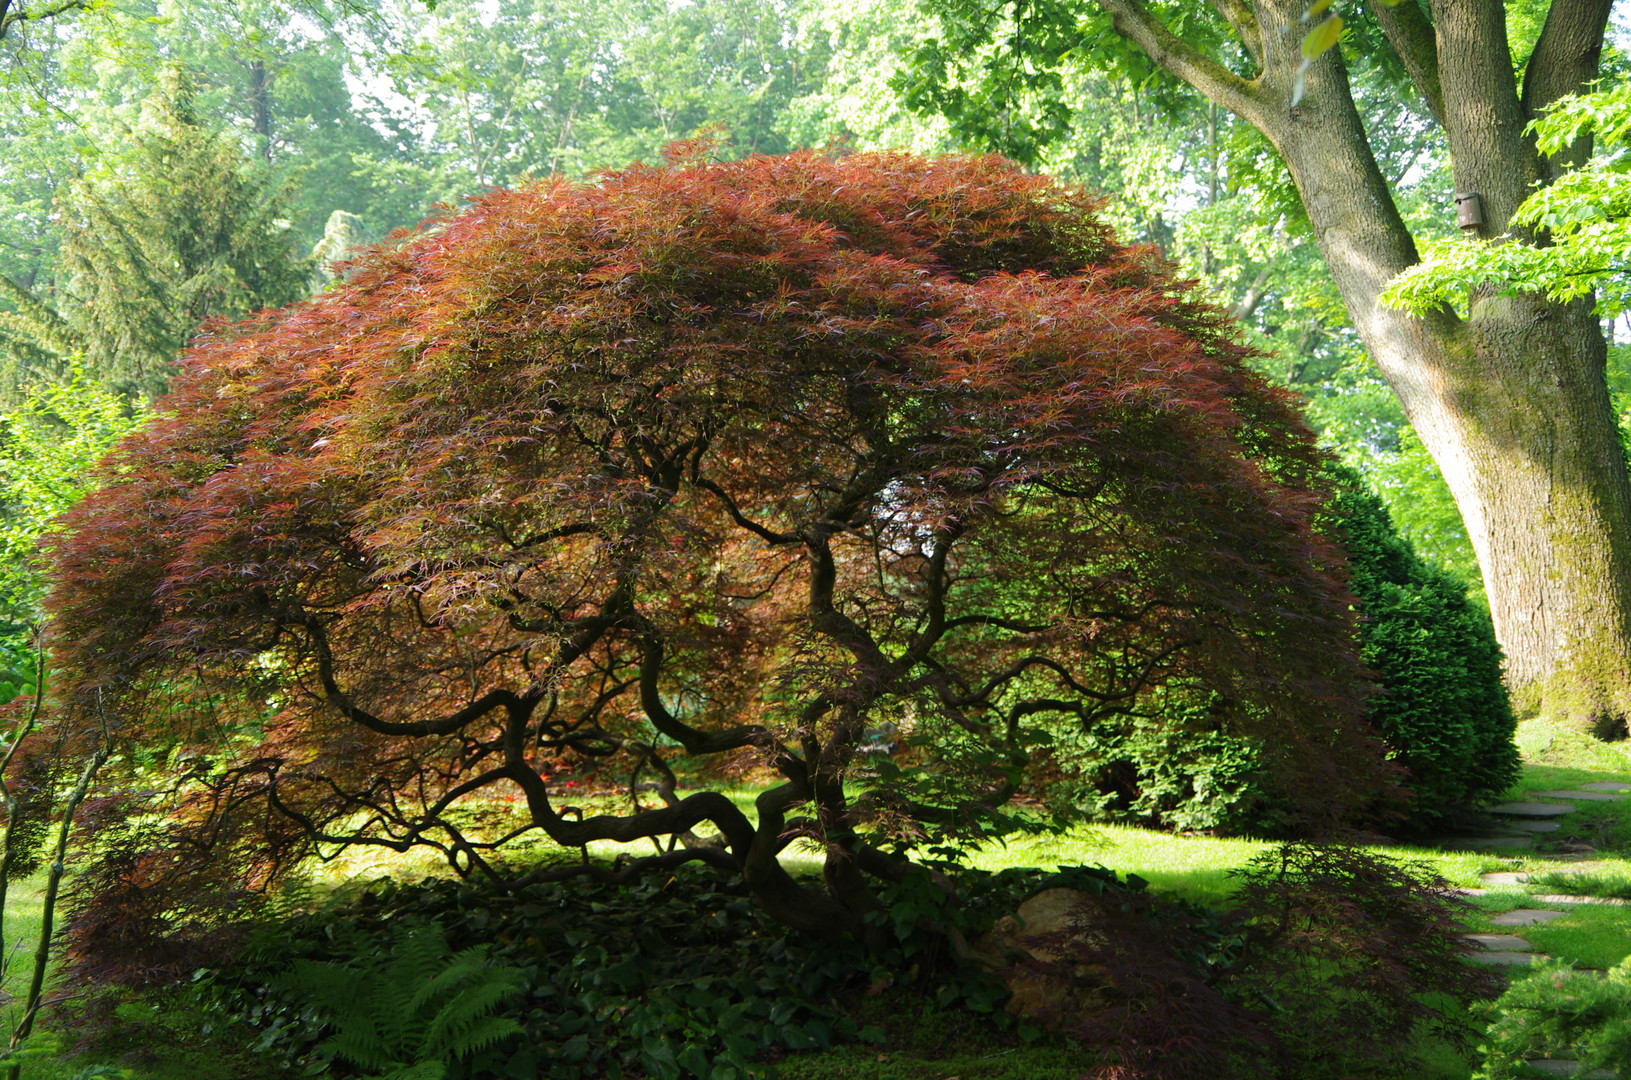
(1469,210)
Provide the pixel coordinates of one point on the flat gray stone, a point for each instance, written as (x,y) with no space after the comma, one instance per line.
(1532,809)
(1501,958)
(1501,942)
(1559,1067)
(1503,878)
(1606,785)
(1526,917)
(1533,826)
(1604,901)
(1465,843)
(1579,796)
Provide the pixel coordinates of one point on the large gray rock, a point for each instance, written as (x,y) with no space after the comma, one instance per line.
(1044,943)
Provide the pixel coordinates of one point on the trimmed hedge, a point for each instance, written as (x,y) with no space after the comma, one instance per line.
(1443,710)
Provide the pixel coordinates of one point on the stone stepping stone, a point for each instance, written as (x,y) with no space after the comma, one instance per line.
(1605,901)
(1534,826)
(1559,1067)
(1532,809)
(1526,917)
(1464,843)
(1578,796)
(1503,878)
(1501,942)
(1606,785)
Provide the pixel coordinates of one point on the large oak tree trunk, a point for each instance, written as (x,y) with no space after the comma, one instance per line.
(1511,401)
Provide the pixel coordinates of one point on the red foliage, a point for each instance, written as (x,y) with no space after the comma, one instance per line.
(691,460)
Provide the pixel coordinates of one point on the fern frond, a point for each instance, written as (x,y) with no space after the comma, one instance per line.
(458,1015)
(420,955)
(443,984)
(419,1070)
(483,1033)
(331,987)
(359,1042)
(407,1014)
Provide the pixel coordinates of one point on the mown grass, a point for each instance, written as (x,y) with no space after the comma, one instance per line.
(935,1044)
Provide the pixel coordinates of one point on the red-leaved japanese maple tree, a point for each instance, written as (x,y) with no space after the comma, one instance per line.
(729,461)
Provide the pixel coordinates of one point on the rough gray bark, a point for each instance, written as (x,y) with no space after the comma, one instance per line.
(1512,402)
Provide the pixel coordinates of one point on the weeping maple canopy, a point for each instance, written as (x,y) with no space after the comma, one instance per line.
(734,461)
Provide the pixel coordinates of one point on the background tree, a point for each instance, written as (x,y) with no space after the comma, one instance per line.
(48,452)
(1510,399)
(710,460)
(184,230)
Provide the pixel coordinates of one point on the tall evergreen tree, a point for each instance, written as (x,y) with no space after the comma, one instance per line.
(186,227)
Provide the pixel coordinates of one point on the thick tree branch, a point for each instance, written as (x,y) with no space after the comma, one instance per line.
(1133,21)
(10,15)
(694,741)
(1243,20)
(1565,61)
(627,872)
(1412,38)
(767,535)
(1255,292)
(589,631)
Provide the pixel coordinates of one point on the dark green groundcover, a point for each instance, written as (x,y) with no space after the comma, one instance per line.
(675,975)
(1334,963)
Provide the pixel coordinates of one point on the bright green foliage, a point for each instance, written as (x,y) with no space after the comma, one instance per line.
(1585,213)
(1421,506)
(1181,772)
(406,1017)
(1557,1011)
(47,449)
(184,228)
(1443,711)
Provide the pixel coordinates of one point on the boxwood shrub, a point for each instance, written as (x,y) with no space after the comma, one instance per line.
(1443,710)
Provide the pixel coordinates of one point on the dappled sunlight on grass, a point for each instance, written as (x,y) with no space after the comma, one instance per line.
(1545,744)
(1194,867)
(1588,936)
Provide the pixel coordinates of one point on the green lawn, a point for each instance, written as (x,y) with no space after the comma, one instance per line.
(1194,867)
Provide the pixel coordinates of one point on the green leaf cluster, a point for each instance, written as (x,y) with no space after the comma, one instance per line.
(1574,235)
(673,976)
(49,446)
(670,977)
(1557,1011)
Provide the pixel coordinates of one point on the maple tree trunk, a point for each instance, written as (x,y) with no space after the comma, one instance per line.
(1512,400)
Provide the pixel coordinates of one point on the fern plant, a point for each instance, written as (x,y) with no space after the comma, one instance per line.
(408,1016)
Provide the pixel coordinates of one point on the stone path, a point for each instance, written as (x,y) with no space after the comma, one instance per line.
(1523,822)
